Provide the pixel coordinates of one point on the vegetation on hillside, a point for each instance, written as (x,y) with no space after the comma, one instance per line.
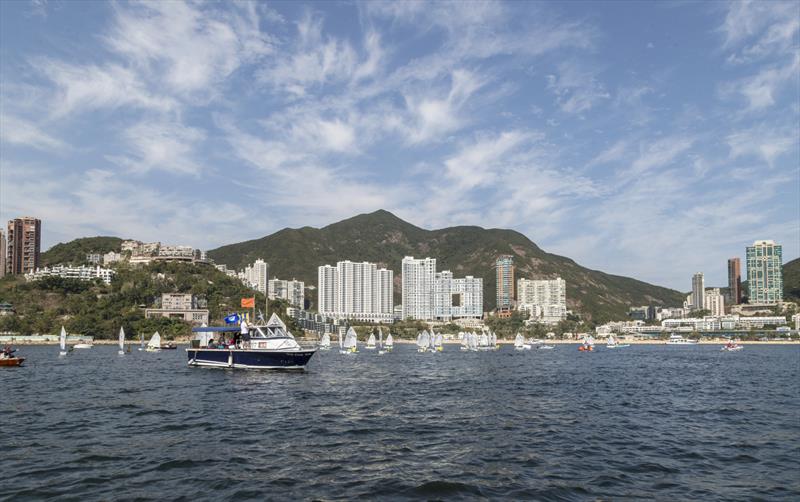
(383,238)
(96,309)
(791,281)
(74,252)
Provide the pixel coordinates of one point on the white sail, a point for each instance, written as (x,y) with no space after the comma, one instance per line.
(484,340)
(423,340)
(155,341)
(492,339)
(121,340)
(341,340)
(371,340)
(473,341)
(519,341)
(326,340)
(464,339)
(439,340)
(351,339)
(62,340)
(389,341)
(380,338)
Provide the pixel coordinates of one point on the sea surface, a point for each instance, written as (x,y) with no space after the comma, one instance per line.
(644,422)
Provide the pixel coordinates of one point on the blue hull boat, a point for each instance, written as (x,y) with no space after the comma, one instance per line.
(270,346)
(249,359)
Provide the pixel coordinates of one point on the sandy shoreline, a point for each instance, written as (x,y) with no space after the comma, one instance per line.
(598,342)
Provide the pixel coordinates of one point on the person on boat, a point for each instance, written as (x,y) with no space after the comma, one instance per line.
(8,351)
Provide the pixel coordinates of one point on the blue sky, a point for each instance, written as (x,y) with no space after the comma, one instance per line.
(649,139)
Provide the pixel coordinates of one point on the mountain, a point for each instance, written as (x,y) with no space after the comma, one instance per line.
(74,252)
(791,280)
(383,238)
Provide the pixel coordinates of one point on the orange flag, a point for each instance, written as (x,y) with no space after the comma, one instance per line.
(248,303)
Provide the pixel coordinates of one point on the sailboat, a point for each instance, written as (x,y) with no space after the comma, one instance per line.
(325,343)
(493,341)
(341,344)
(351,341)
(389,342)
(62,340)
(141,340)
(154,345)
(473,341)
(381,349)
(613,343)
(438,343)
(464,340)
(371,342)
(423,341)
(121,341)
(483,341)
(519,343)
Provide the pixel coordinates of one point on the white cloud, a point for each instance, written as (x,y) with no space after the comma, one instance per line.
(576,88)
(660,153)
(755,29)
(761,89)
(189,48)
(762,142)
(19,131)
(161,145)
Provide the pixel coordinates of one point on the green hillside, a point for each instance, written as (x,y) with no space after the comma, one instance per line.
(791,280)
(74,252)
(385,239)
(96,309)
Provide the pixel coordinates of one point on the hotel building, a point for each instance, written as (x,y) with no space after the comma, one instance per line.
(764,272)
(24,244)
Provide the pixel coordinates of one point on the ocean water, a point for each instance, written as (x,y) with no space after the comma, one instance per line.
(671,423)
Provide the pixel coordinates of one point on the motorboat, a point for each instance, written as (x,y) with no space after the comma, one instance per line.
(732,346)
(169,346)
(7,358)
(268,346)
(82,345)
(676,339)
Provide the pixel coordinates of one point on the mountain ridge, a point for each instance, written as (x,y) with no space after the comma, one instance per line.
(383,238)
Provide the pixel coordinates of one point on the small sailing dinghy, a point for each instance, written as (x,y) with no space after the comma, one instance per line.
(154,345)
(389,342)
(371,342)
(423,341)
(351,341)
(464,340)
(438,343)
(62,341)
(121,341)
(141,340)
(519,343)
(341,344)
(381,349)
(325,342)
(82,345)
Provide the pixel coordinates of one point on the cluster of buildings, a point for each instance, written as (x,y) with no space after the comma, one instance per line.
(256,275)
(731,322)
(147,252)
(82,273)
(356,290)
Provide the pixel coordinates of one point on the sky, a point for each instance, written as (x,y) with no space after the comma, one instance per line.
(647,139)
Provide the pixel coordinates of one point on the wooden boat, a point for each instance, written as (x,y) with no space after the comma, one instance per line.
(11,361)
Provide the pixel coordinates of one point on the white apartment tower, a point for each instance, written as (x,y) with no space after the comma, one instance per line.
(545,300)
(293,291)
(418,287)
(354,290)
(457,298)
(714,302)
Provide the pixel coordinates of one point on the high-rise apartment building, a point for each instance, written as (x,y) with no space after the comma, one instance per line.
(714,302)
(2,253)
(735,280)
(504,267)
(24,243)
(354,290)
(256,276)
(764,272)
(544,300)
(698,292)
(457,298)
(417,287)
(293,291)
